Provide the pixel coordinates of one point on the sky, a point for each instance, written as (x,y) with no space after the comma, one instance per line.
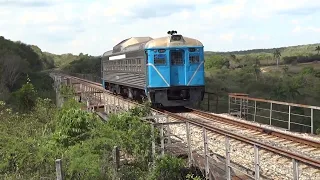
(95,26)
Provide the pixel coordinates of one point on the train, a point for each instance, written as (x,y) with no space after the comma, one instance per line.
(167,71)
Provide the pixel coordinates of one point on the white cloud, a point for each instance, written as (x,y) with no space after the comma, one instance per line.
(313,29)
(295,21)
(296,29)
(227,36)
(299,29)
(62,26)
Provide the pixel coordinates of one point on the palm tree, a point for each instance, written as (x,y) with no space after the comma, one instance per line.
(318,49)
(276,55)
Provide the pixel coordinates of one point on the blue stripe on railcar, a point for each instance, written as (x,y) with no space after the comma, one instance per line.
(163,73)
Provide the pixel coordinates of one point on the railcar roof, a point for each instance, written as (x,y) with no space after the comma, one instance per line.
(165,42)
(131,41)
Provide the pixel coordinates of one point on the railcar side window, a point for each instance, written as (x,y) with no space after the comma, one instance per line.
(194,59)
(176,57)
(159,59)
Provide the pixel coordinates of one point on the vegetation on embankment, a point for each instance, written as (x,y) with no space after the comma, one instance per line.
(34,137)
(18,62)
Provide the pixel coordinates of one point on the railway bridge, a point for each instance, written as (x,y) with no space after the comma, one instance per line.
(243,143)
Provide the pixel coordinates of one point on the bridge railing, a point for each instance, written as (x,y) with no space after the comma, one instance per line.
(290,116)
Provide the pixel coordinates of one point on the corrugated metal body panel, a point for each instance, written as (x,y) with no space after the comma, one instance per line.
(126,79)
(165,42)
(131,65)
(128,72)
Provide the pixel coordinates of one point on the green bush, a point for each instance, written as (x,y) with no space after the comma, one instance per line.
(168,167)
(26,96)
(73,126)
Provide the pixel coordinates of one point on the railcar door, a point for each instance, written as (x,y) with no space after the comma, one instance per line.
(177,75)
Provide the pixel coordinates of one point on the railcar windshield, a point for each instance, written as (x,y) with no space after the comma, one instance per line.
(194,58)
(176,57)
(159,59)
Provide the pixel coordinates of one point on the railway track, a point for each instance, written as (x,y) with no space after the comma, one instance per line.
(277,147)
(244,136)
(303,146)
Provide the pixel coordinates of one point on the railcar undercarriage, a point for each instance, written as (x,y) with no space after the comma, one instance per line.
(160,97)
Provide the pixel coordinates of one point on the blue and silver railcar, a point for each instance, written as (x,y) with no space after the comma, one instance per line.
(168,70)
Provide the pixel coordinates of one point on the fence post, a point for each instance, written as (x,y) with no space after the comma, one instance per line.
(247,109)
(289,119)
(189,144)
(227,144)
(208,101)
(116,161)
(255,111)
(162,139)
(229,105)
(311,121)
(256,162)
(295,169)
(104,103)
(153,144)
(168,130)
(88,104)
(59,169)
(205,141)
(240,107)
(270,113)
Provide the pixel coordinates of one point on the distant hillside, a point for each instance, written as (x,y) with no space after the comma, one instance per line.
(287,55)
(31,55)
(299,50)
(63,59)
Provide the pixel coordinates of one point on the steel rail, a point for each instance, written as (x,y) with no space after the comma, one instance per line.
(298,139)
(273,149)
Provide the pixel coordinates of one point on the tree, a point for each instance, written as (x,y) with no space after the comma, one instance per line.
(12,67)
(318,49)
(73,126)
(215,61)
(26,96)
(277,55)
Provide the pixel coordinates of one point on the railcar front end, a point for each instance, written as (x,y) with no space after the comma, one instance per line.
(175,71)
